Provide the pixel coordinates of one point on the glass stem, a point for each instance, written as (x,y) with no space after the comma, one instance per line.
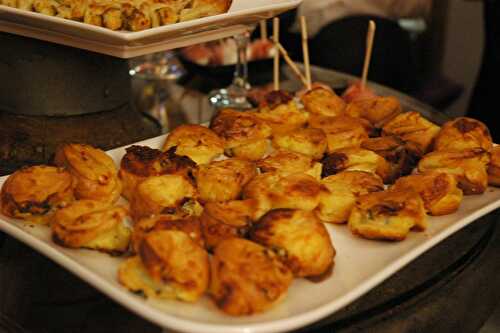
(241,72)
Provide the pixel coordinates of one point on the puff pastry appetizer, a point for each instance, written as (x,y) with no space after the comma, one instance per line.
(299,239)
(463,133)
(141,162)
(197,142)
(245,134)
(377,110)
(388,215)
(415,130)
(224,180)
(280,111)
(285,162)
(165,195)
(323,102)
(169,265)
(94,171)
(494,167)
(469,167)
(92,225)
(438,190)
(247,278)
(336,204)
(33,193)
(307,141)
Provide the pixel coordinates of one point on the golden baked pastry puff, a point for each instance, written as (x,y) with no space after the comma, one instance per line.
(377,110)
(463,133)
(247,278)
(95,172)
(307,141)
(93,225)
(387,215)
(169,265)
(323,102)
(494,167)
(33,193)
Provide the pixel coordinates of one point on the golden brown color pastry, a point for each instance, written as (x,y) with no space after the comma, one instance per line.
(245,134)
(463,133)
(94,171)
(299,239)
(355,159)
(197,142)
(281,112)
(307,141)
(323,102)
(285,162)
(377,110)
(92,225)
(166,194)
(394,151)
(469,167)
(224,220)
(295,191)
(438,190)
(141,162)
(339,123)
(190,225)
(494,167)
(169,265)
(415,130)
(388,215)
(33,193)
(224,180)
(336,204)
(247,278)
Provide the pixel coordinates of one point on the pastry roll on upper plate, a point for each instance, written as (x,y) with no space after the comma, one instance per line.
(224,180)
(388,215)
(377,110)
(197,142)
(141,162)
(92,225)
(247,278)
(415,130)
(245,134)
(106,14)
(285,162)
(94,171)
(335,205)
(280,111)
(33,193)
(204,8)
(438,190)
(190,225)
(299,239)
(169,265)
(224,220)
(307,141)
(323,101)
(494,167)
(167,194)
(355,159)
(463,133)
(469,167)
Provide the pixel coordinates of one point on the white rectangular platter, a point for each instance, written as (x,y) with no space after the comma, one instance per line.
(360,265)
(243,13)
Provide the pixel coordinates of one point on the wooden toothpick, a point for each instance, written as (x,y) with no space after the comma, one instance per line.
(368,52)
(292,65)
(305,51)
(276,40)
(263,30)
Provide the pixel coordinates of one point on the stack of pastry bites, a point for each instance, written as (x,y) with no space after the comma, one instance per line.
(237,210)
(131,15)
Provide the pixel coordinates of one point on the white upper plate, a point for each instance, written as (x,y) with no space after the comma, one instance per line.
(243,13)
(360,265)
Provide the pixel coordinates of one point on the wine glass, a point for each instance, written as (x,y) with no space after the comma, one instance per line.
(156,73)
(235,96)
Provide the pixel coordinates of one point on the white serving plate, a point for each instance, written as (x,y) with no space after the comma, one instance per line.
(241,15)
(360,265)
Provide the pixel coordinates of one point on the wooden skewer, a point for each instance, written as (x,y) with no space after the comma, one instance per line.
(276,40)
(368,53)
(305,51)
(292,65)
(263,30)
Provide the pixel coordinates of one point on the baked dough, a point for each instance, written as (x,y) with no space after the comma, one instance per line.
(463,133)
